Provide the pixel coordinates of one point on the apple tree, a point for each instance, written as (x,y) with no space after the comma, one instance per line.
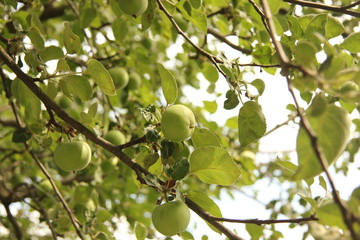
(98,132)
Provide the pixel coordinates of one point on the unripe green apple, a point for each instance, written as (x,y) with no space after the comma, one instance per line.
(115,137)
(178,123)
(120,77)
(133,7)
(171,218)
(71,156)
(134,81)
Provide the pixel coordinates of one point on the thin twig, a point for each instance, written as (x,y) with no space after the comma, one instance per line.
(12,219)
(325,7)
(350,5)
(225,40)
(347,215)
(291,118)
(72,217)
(209,218)
(45,215)
(209,56)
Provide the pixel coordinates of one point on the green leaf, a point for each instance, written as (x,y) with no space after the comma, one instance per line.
(120,29)
(179,170)
(210,72)
(71,41)
(101,76)
(93,109)
(103,215)
(51,53)
(259,85)
(168,84)
(214,165)
(196,3)
(87,15)
(210,106)
(251,123)
(351,43)
(196,16)
(354,202)
(203,137)
(140,231)
(62,66)
(78,86)
(206,203)
(148,16)
(304,53)
(36,39)
(36,24)
(27,99)
(318,105)
(330,214)
(232,122)
(232,100)
(332,129)
(333,27)
(316,26)
(254,230)
(21,135)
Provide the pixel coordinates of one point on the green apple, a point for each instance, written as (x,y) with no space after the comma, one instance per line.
(120,77)
(72,156)
(115,137)
(133,7)
(178,123)
(171,218)
(134,81)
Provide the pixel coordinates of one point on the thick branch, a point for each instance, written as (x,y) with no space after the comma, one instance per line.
(347,215)
(343,10)
(211,219)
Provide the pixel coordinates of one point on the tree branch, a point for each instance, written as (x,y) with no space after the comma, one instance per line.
(209,218)
(350,5)
(347,215)
(72,217)
(225,40)
(49,103)
(270,221)
(326,7)
(12,219)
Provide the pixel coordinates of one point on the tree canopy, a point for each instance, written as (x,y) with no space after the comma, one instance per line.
(96,128)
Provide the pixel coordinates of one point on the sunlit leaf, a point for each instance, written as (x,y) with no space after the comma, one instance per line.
(214,165)
(203,137)
(351,43)
(51,53)
(206,203)
(101,76)
(78,86)
(251,123)
(168,84)
(71,41)
(332,129)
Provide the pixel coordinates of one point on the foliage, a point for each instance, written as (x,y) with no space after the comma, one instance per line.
(55,88)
